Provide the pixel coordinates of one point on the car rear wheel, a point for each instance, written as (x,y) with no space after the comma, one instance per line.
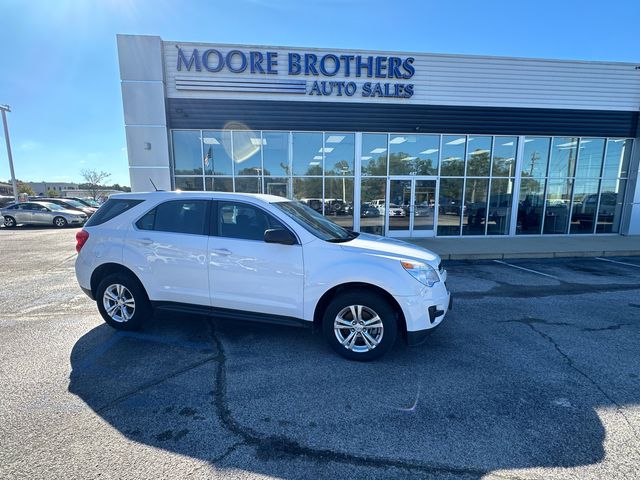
(122,302)
(60,222)
(360,325)
(9,222)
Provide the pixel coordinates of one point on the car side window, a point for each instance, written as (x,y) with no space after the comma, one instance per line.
(177,216)
(243,221)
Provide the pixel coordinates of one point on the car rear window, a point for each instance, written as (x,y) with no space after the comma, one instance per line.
(111,209)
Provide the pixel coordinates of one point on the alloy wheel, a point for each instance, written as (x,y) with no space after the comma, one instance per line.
(119,303)
(358,328)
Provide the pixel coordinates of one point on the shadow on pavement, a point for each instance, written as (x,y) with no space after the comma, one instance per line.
(469,402)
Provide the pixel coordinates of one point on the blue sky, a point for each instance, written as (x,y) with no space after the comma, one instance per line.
(59,70)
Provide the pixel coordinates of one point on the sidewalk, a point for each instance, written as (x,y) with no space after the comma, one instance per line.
(531,247)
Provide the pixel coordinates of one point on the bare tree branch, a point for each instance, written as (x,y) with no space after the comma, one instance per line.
(94,180)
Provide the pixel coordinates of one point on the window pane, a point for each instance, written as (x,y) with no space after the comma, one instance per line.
(189,183)
(504,156)
(339,153)
(424,203)
(590,157)
(239,220)
(556,217)
(338,200)
(617,162)
(500,200)
(373,191)
(374,154)
(452,155)
(399,204)
(563,157)
(610,211)
(307,153)
(246,152)
(475,202)
(308,191)
(249,185)
(535,157)
(187,154)
(478,155)
(181,216)
(413,154)
(217,152)
(275,151)
(219,184)
(531,206)
(585,201)
(110,209)
(450,206)
(277,186)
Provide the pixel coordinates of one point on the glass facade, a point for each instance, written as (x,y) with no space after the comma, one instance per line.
(450,185)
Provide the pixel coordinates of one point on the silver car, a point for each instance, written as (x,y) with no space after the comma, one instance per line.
(41,213)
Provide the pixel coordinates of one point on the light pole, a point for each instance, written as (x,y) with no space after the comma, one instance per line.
(5,109)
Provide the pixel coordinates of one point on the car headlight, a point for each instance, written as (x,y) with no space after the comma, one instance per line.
(422,272)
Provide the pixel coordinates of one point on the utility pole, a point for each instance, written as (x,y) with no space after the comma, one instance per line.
(5,109)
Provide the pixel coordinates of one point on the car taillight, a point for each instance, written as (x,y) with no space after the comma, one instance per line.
(81,237)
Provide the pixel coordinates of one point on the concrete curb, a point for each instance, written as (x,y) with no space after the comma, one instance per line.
(506,256)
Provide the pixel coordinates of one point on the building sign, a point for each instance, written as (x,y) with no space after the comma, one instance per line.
(359,75)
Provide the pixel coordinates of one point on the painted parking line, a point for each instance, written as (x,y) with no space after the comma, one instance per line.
(526,269)
(619,263)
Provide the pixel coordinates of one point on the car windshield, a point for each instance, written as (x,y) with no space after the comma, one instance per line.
(74,203)
(89,202)
(315,223)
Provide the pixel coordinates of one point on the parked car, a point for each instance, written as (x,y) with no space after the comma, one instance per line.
(71,204)
(89,202)
(367,211)
(6,200)
(41,213)
(396,211)
(258,257)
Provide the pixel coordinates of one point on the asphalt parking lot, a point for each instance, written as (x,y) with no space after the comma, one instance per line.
(534,375)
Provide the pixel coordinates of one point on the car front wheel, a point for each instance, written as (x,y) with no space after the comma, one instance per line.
(9,222)
(360,325)
(122,302)
(60,222)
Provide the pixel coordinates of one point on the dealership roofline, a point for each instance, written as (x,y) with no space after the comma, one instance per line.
(636,65)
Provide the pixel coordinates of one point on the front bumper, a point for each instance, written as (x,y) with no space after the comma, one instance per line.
(425,311)
(418,337)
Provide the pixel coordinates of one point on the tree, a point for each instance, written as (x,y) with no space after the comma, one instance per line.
(94,181)
(52,193)
(24,188)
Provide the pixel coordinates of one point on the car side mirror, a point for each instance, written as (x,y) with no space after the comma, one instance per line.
(279,235)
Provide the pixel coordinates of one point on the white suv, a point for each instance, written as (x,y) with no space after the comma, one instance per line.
(258,257)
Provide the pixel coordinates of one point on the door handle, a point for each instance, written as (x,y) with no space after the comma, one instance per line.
(221,251)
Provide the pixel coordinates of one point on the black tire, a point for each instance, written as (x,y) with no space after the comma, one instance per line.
(59,222)
(372,304)
(142,310)
(9,221)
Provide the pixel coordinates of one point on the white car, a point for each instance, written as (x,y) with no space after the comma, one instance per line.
(258,257)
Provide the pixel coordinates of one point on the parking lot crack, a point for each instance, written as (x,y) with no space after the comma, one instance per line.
(153,383)
(272,447)
(569,361)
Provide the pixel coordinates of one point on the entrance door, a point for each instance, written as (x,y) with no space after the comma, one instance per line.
(411,207)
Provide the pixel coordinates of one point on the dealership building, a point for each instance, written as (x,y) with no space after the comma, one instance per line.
(395,143)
